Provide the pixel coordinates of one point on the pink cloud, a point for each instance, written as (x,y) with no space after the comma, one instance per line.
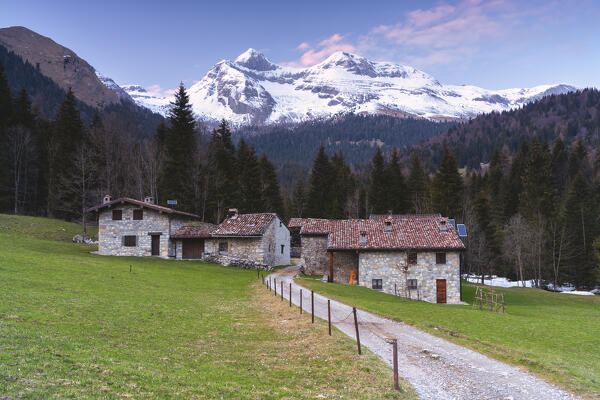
(156,90)
(324,49)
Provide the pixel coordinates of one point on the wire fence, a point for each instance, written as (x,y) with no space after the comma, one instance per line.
(334,316)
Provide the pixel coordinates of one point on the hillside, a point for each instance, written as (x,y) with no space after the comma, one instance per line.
(572,117)
(60,64)
(46,96)
(77,325)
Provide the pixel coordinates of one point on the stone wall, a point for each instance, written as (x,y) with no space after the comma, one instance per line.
(110,233)
(343,263)
(384,265)
(275,236)
(249,249)
(314,255)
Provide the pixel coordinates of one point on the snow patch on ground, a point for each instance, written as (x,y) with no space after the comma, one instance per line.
(494,280)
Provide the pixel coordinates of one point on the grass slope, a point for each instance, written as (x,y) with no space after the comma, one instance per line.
(76,325)
(555,335)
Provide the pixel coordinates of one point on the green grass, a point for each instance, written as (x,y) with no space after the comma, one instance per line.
(76,325)
(554,335)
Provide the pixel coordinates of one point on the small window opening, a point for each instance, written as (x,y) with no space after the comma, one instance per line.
(138,214)
(222,247)
(130,241)
(411,284)
(117,215)
(377,284)
(411,258)
(282,248)
(440,258)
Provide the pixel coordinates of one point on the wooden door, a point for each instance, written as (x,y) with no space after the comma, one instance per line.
(155,245)
(441,290)
(193,248)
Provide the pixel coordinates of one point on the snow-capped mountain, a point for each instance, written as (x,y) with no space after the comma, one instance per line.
(253,90)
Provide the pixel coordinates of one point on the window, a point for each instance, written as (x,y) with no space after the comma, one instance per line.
(440,258)
(222,247)
(138,214)
(411,284)
(117,215)
(377,284)
(411,258)
(282,247)
(130,241)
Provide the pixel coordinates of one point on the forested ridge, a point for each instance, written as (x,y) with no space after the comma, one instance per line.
(532,212)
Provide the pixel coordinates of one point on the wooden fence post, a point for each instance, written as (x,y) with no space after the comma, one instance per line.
(290,294)
(312,305)
(281,290)
(329,315)
(356,328)
(300,301)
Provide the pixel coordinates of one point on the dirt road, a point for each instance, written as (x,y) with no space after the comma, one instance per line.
(436,368)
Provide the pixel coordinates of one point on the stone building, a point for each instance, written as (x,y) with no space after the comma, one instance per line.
(129,227)
(410,256)
(249,240)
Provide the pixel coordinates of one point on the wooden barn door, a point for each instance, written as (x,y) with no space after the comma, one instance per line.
(193,248)
(440,285)
(155,245)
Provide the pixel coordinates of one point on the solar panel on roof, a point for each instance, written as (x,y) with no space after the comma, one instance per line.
(462,230)
(453,223)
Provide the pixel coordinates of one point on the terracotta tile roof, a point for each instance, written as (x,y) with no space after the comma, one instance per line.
(406,233)
(143,204)
(315,226)
(405,216)
(195,232)
(245,225)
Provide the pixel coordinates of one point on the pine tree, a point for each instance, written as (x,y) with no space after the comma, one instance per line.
(180,153)
(320,196)
(299,200)
(579,223)
(559,165)
(378,189)
(447,190)
(397,189)
(223,185)
(271,192)
(417,185)
(538,195)
(5,116)
(250,180)
(68,134)
(343,185)
(515,181)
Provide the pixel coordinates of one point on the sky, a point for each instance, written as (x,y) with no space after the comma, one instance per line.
(495,44)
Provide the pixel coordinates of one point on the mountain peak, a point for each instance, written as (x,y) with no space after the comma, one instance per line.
(253,59)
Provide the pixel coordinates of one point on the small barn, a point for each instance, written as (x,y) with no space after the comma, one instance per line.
(190,241)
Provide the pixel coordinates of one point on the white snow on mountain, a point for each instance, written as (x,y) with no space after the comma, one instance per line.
(253,90)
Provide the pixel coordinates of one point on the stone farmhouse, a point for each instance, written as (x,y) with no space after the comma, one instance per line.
(414,256)
(129,227)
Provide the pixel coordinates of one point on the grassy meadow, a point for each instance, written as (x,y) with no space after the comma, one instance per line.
(77,325)
(555,335)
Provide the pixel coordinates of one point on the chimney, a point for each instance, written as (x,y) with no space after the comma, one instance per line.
(149,200)
(388,225)
(390,213)
(362,239)
(107,199)
(443,227)
(232,213)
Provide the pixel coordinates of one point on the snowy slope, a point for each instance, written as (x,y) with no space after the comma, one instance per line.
(253,90)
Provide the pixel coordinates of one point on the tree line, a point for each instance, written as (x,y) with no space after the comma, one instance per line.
(60,167)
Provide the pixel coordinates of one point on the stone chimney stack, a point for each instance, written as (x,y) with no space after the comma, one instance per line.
(443,226)
(232,213)
(149,200)
(107,199)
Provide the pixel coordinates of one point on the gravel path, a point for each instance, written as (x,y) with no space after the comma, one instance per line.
(436,368)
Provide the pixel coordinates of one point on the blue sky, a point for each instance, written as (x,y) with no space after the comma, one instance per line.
(493,44)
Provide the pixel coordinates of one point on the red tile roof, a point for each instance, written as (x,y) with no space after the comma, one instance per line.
(405,216)
(143,204)
(310,226)
(245,225)
(195,232)
(406,233)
